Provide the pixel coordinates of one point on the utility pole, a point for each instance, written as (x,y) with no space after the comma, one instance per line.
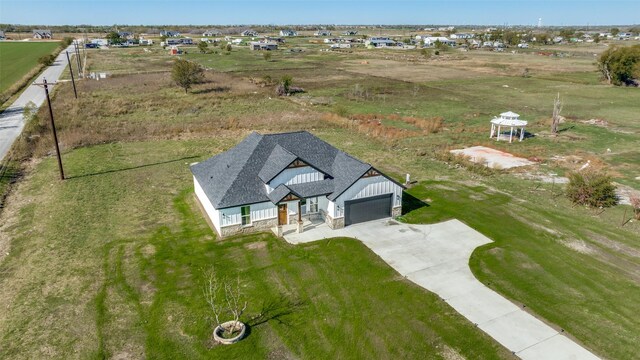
(73,81)
(75,45)
(53,125)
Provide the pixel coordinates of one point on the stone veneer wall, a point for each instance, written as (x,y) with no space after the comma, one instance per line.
(255,226)
(333,223)
(396,211)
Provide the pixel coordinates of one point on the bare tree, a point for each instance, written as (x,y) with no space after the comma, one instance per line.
(555,119)
(225,297)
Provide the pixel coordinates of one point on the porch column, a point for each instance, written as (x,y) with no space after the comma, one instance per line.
(498,137)
(299,216)
(511,134)
(521,133)
(492,130)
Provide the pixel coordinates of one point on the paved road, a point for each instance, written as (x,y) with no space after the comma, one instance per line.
(436,257)
(11,120)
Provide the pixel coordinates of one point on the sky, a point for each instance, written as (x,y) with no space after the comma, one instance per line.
(286,12)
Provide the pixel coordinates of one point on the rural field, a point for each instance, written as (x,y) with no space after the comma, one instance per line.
(110,263)
(17,59)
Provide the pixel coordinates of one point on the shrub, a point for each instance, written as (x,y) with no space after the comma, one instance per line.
(47,60)
(635,203)
(267,56)
(591,188)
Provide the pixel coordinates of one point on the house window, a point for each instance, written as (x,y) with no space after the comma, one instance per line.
(303,206)
(245,213)
(313,205)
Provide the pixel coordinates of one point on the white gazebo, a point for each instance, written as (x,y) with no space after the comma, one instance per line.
(508,119)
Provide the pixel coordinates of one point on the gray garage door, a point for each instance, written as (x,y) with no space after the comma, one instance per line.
(366,209)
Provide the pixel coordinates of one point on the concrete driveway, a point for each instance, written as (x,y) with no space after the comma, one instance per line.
(436,257)
(11,120)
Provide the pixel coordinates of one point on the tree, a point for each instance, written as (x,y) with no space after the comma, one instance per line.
(620,65)
(228,47)
(203,46)
(555,119)
(591,188)
(614,31)
(114,38)
(225,297)
(186,73)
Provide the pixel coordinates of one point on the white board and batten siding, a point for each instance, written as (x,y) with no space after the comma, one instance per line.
(298,175)
(259,211)
(212,212)
(367,187)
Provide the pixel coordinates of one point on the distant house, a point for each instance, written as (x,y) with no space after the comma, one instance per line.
(280,179)
(2,36)
(178,41)
(212,32)
(350,33)
(169,33)
(322,33)
(249,32)
(380,42)
(288,32)
(462,36)
(146,42)
(91,46)
(42,34)
(125,35)
(624,35)
(260,45)
(100,42)
(430,41)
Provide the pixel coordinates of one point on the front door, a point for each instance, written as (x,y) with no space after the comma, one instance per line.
(282,214)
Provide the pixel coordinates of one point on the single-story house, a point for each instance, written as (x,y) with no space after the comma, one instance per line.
(100,42)
(277,179)
(169,33)
(262,45)
(288,32)
(178,41)
(322,33)
(212,32)
(249,33)
(350,33)
(125,35)
(430,41)
(380,42)
(146,42)
(462,36)
(42,34)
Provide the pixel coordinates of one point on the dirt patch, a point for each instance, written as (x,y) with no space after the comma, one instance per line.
(492,158)
(449,353)
(256,245)
(579,246)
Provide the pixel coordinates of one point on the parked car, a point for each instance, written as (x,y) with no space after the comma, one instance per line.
(523,46)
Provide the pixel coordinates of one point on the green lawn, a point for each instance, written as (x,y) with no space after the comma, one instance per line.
(570,266)
(18,58)
(117,271)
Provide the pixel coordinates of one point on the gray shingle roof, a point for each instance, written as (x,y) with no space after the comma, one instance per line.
(238,176)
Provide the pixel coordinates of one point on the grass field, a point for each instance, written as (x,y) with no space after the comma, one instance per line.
(18,58)
(109,262)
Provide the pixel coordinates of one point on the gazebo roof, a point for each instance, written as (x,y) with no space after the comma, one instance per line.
(509,114)
(509,122)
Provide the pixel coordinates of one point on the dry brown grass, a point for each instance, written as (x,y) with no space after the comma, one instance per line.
(153,108)
(372,125)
